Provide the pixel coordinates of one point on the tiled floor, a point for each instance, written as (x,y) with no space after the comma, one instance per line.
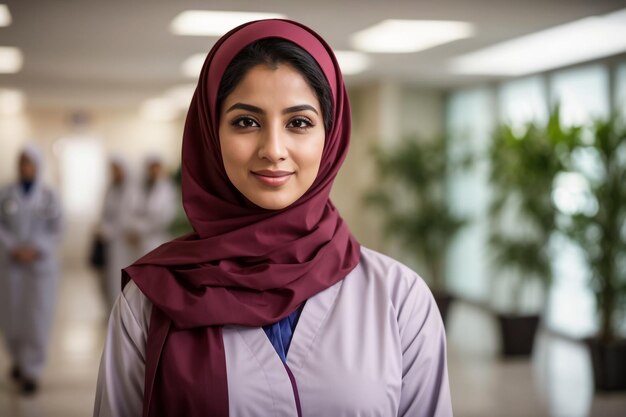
(69,381)
(556,383)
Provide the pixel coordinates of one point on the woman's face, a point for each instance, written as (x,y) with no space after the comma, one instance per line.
(272,136)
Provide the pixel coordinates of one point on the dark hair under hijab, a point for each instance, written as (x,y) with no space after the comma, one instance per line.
(271,52)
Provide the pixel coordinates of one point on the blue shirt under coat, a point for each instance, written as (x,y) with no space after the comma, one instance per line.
(280,333)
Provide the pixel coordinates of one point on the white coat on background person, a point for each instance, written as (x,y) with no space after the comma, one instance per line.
(30,227)
(155,209)
(117,215)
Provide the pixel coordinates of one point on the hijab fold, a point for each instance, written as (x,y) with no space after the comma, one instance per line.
(243,265)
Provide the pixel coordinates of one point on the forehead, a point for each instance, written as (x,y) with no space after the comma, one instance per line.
(291,31)
(273,86)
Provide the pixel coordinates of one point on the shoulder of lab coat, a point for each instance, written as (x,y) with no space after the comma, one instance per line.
(425,386)
(120,387)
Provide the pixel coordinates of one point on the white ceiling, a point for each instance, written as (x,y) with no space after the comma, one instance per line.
(92,53)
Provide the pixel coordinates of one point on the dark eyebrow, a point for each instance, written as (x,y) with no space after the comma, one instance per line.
(300,107)
(248,107)
(258,110)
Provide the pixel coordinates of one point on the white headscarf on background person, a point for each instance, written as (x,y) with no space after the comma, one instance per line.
(34,154)
(120,161)
(149,159)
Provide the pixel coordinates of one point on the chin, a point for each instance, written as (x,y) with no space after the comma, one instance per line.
(272,205)
(272,202)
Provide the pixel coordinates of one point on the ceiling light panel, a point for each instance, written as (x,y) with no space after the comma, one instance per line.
(11,101)
(160,109)
(214,23)
(406,36)
(192,66)
(5,15)
(181,95)
(352,62)
(579,41)
(11,60)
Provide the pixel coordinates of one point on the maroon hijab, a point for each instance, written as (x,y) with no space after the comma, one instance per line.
(243,265)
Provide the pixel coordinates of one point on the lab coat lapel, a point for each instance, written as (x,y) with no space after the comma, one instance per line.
(274,371)
(311,320)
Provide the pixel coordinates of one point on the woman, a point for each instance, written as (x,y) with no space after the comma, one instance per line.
(271,307)
(30,228)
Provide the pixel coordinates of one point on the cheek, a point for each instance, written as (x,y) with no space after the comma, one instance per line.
(310,157)
(235,153)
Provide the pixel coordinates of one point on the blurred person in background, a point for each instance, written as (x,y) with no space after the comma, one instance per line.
(117,216)
(30,227)
(155,209)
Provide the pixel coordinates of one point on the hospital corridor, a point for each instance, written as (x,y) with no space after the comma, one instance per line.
(313,209)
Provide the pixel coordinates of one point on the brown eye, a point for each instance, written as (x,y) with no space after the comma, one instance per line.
(245,122)
(300,123)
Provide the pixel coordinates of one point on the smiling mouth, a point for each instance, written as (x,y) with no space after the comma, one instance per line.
(272,178)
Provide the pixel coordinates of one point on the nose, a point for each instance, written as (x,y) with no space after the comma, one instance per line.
(272,146)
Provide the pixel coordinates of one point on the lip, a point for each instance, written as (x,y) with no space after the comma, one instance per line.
(272,178)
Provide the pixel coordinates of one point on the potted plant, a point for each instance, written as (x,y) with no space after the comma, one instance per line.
(524,165)
(601,233)
(411,196)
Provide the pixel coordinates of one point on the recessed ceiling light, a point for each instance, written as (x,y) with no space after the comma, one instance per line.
(571,43)
(159,109)
(404,36)
(192,66)
(214,23)
(11,101)
(181,95)
(11,59)
(352,62)
(5,15)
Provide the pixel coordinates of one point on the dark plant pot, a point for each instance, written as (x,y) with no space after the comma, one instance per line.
(609,364)
(443,300)
(518,334)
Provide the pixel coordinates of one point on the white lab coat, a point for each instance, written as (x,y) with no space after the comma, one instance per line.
(372,345)
(28,291)
(153,215)
(117,216)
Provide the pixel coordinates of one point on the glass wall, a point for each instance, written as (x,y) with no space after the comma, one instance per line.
(620,88)
(583,93)
(469,121)
(523,100)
